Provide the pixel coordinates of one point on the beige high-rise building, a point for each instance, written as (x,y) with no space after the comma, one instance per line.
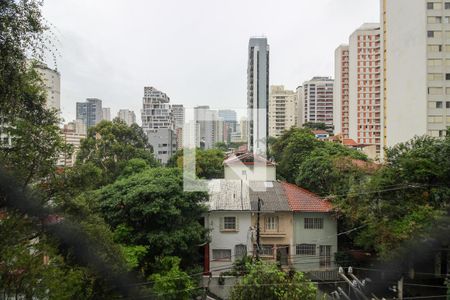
(52,82)
(416,68)
(358,106)
(126,115)
(283,110)
(72,134)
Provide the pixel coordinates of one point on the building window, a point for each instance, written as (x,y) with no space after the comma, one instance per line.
(265,250)
(221,254)
(430,5)
(430,33)
(435,119)
(305,249)
(447,5)
(271,223)
(313,223)
(438,104)
(447,104)
(435,91)
(447,76)
(240,251)
(229,224)
(325,256)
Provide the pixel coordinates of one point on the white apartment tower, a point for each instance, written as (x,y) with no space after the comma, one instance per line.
(106,113)
(158,124)
(52,81)
(283,110)
(211,127)
(258,94)
(318,101)
(126,115)
(416,68)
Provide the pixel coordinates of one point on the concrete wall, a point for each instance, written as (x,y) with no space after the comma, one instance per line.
(256,173)
(228,239)
(406,67)
(325,236)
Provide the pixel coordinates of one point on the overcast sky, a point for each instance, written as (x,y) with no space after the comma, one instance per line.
(194,50)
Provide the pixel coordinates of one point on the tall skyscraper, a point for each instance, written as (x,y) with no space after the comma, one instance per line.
(358,104)
(229,118)
(52,82)
(318,101)
(210,126)
(90,112)
(178,115)
(415,63)
(283,110)
(158,124)
(258,94)
(126,115)
(341,91)
(106,113)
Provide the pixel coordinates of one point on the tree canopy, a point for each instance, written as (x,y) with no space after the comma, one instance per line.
(404,198)
(151,209)
(110,145)
(265,281)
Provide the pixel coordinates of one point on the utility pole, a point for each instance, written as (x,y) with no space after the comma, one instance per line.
(257,229)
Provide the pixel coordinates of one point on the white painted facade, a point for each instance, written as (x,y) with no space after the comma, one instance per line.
(416,39)
(52,82)
(257,172)
(227,240)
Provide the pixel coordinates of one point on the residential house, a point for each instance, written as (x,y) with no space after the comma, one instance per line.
(229,222)
(248,166)
(297,227)
(314,230)
(276,230)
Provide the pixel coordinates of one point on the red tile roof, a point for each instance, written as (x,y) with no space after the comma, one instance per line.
(349,142)
(303,200)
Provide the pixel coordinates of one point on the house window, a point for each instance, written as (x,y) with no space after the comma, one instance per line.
(305,249)
(221,254)
(325,256)
(447,76)
(266,250)
(447,104)
(447,5)
(313,223)
(229,223)
(438,104)
(272,223)
(430,33)
(240,251)
(430,5)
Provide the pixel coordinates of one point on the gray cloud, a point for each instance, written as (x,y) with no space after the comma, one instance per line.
(196,50)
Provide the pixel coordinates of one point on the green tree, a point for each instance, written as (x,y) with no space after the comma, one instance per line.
(265,281)
(156,213)
(403,199)
(110,145)
(221,146)
(315,126)
(171,282)
(208,163)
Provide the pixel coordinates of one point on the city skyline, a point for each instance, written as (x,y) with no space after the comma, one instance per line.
(215,51)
